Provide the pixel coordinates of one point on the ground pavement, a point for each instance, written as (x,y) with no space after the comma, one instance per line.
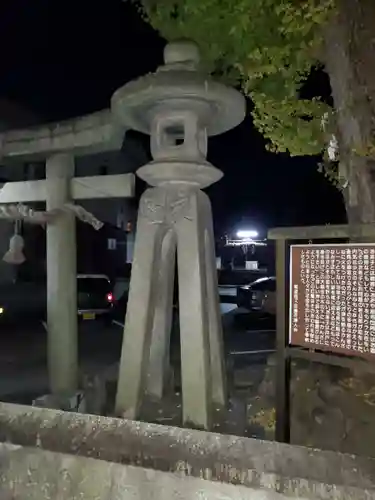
(23,365)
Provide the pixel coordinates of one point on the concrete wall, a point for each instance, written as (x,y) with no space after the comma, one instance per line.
(87,457)
(31,473)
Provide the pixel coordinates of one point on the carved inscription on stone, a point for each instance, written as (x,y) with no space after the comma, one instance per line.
(166,205)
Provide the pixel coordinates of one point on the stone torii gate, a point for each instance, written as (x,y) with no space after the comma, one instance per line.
(179,107)
(59,144)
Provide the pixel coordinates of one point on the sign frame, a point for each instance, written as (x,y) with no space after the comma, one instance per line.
(285,238)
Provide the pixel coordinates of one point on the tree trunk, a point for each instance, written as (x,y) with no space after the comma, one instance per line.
(350,63)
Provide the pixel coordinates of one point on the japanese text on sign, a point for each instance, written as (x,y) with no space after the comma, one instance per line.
(333,297)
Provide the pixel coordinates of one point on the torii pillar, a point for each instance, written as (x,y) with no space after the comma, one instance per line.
(61,278)
(179,108)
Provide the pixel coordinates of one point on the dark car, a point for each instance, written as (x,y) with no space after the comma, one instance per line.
(259,296)
(28,300)
(94,296)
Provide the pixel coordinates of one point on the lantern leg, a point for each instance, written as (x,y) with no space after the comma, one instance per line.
(159,363)
(218,368)
(195,325)
(140,316)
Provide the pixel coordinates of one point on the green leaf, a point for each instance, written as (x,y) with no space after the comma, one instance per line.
(266,47)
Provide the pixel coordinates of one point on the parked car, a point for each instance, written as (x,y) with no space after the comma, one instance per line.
(28,300)
(259,296)
(94,296)
(120,307)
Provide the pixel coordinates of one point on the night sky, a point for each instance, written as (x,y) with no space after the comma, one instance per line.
(65,58)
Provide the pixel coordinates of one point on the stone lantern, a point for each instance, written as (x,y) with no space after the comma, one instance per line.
(179,107)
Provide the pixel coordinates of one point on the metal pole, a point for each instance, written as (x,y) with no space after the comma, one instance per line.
(283,360)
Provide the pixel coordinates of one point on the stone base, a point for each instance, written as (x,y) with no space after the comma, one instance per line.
(73,402)
(168,411)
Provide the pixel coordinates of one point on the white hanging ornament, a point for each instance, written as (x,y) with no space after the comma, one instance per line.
(15,253)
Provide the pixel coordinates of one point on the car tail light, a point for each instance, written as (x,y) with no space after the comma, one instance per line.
(109,297)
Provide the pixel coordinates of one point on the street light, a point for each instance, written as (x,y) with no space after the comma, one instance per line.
(244,234)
